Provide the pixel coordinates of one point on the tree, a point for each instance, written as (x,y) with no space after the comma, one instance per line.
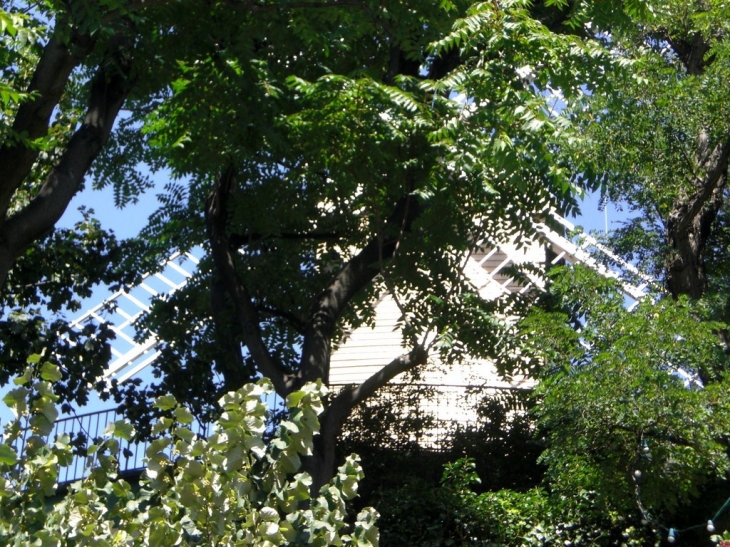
(44,165)
(622,404)
(228,488)
(657,143)
(633,443)
(439,174)
(331,151)
(663,142)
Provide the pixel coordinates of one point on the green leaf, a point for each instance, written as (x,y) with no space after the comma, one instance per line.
(183,415)
(16,400)
(165,402)
(121,429)
(7,455)
(25,378)
(157,446)
(41,425)
(50,372)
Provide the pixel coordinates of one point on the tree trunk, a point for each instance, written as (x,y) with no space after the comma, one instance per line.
(322,464)
(354,277)
(689,224)
(109,90)
(686,272)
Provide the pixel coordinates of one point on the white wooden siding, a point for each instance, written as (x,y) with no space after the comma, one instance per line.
(368,349)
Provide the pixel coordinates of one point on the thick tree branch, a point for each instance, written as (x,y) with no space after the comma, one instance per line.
(109,89)
(716,165)
(689,224)
(231,363)
(31,122)
(692,52)
(404,363)
(246,313)
(356,275)
(321,466)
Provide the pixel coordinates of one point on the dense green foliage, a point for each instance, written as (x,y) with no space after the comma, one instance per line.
(454,513)
(320,152)
(230,488)
(632,417)
(324,152)
(635,404)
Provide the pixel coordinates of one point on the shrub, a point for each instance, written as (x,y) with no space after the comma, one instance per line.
(231,488)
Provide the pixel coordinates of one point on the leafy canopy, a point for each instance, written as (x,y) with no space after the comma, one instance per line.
(633,404)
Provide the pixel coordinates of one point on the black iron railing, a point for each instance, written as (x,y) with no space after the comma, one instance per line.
(431,417)
(85,429)
(397,417)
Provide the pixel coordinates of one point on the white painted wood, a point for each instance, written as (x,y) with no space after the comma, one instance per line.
(368,349)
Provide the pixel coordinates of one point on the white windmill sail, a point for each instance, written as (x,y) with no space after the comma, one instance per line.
(121,310)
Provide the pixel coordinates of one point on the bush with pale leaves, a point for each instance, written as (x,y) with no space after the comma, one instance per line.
(231,488)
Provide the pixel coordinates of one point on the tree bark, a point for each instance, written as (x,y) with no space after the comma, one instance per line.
(689,224)
(321,465)
(49,80)
(109,90)
(350,280)
(246,313)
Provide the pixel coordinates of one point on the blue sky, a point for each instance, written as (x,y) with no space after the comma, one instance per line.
(126,222)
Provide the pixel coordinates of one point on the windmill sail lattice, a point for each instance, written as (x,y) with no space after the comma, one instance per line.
(121,311)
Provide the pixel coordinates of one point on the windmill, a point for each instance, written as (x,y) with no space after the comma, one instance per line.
(488,268)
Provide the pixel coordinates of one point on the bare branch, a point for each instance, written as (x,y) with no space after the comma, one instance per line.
(408,361)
